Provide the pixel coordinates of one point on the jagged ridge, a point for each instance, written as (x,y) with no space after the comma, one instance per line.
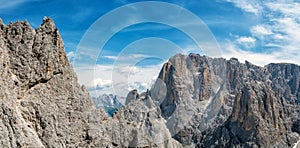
(232,104)
(42,104)
(197,100)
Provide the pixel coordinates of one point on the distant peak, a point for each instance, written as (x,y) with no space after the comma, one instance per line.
(194,54)
(234,59)
(48,25)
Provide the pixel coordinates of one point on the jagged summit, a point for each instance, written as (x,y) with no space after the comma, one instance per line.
(225,103)
(197,101)
(48,25)
(42,104)
(39,94)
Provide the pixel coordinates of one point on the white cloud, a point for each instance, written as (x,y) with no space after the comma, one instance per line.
(128,69)
(140,86)
(138,56)
(100,83)
(252,6)
(126,58)
(231,50)
(289,9)
(111,57)
(278,33)
(247,42)
(260,30)
(113,79)
(244,39)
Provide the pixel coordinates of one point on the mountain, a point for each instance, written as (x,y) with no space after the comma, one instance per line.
(197,101)
(213,102)
(200,101)
(141,124)
(42,104)
(109,102)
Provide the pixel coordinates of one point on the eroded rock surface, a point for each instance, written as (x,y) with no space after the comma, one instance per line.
(197,100)
(216,102)
(42,105)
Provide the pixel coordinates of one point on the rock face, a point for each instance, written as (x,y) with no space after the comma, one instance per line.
(41,103)
(131,96)
(196,101)
(140,124)
(218,103)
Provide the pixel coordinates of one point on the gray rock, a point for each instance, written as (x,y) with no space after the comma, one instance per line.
(132,96)
(197,100)
(139,124)
(213,102)
(42,105)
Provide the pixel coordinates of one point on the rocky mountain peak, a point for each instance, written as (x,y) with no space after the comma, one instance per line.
(48,25)
(225,103)
(197,101)
(41,102)
(132,96)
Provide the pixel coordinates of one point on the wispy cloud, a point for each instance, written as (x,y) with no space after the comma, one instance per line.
(100,84)
(278,33)
(252,6)
(260,30)
(101,79)
(247,42)
(11,4)
(111,57)
(232,50)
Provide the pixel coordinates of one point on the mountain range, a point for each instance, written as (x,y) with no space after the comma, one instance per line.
(196,101)
(109,102)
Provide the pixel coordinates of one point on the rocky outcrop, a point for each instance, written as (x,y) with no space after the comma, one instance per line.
(214,102)
(197,100)
(132,96)
(41,103)
(140,124)
(193,86)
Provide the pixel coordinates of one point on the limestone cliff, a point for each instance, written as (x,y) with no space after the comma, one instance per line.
(42,104)
(225,103)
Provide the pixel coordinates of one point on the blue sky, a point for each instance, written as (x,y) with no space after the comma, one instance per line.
(73,18)
(259,31)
